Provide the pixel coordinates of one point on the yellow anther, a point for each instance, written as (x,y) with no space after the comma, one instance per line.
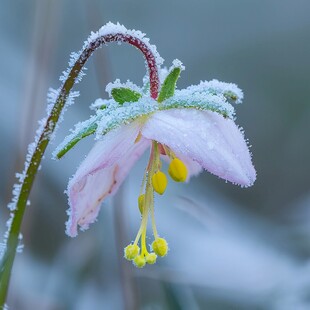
(131,251)
(151,258)
(139,261)
(159,181)
(141,203)
(177,170)
(160,247)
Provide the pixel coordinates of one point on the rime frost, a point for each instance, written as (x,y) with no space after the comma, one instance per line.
(126,113)
(229,90)
(176,63)
(111,28)
(213,95)
(200,101)
(103,103)
(117,84)
(110,115)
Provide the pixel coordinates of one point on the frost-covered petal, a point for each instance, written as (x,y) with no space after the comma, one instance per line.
(215,142)
(101,174)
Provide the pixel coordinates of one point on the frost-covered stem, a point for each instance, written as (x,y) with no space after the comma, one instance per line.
(51,121)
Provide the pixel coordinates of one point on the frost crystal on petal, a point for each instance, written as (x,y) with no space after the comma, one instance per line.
(229,90)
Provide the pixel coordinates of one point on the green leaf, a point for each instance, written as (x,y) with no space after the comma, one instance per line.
(122,94)
(74,138)
(168,87)
(231,95)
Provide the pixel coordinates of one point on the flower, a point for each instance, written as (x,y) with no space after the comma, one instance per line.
(193,129)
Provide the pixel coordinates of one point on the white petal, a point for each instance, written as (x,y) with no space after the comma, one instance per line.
(215,142)
(101,174)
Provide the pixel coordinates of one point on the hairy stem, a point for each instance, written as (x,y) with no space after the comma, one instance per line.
(17,214)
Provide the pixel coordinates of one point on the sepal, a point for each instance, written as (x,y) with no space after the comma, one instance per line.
(200,101)
(82,130)
(169,84)
(124,114)
(122,95)
(214,87)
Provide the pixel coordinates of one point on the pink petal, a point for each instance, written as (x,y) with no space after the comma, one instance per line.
(101,174)
(215,142)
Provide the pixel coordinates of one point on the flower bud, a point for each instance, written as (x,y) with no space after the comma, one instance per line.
(141,202)
(151,258)
(131,251)
(177,170)
(139,261)
(159,181)
(160,247)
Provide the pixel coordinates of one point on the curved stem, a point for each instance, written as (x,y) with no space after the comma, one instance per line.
(50,124)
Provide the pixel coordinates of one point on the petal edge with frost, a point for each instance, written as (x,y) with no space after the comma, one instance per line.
(101,173)
(215,142)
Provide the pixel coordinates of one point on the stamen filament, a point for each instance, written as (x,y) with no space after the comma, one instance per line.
(138,235)
(155,233)
(156,161)
(143,225)
(151,205)
(143,181)
(169,153)
(146,206)
(143,243)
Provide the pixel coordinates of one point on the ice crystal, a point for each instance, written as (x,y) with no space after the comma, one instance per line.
(176,63)
(112,118)
(229,90)
(111,28)
(201,101)
(208,96)
(117,84)
(103,103)
(20,246)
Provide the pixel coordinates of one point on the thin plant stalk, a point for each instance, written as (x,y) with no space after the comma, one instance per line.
(50,124)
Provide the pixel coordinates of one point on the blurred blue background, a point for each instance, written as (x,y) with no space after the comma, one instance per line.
(230,248)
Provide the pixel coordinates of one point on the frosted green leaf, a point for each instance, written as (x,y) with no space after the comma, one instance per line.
(124,114)
(81,131)
(183,99)
(229,90)
(102,104)
(122,94)
(169,84)
(200,101)
(207,96)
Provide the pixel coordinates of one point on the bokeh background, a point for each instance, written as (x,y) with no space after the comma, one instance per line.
(230,248)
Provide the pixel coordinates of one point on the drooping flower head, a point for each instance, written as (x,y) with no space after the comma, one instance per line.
(192,129)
